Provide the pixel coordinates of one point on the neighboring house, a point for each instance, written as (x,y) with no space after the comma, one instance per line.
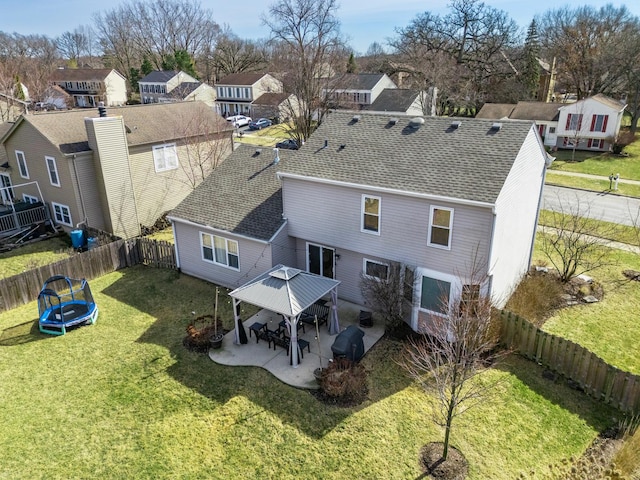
(367,192)
(590,124)
(544,114)
(174,86)
(119,171)
(278,106)
(57,98)
(237,92)
(404,101)
(89,86)
(356,90)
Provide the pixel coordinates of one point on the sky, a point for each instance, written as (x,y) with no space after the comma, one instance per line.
(362,21)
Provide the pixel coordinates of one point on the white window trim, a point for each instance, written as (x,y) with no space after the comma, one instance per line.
(454,292)
(55,168)
(61,222)
(437,245)
(162,149)
(364,268)
(19,154)
(213,248)
(29,198)
(362,214)
(321,263)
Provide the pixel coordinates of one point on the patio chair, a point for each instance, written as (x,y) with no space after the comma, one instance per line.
(256,328)
(283,326)
(318,309)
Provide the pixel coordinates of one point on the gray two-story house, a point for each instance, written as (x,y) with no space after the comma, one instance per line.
(370,191)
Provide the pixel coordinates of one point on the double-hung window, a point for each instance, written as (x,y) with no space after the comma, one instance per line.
(165,157)
(440,225)
(220,250)
(373,269)
(599,123)
(22,164)
(370,214)
(62,214)
(52,168)
(574,121)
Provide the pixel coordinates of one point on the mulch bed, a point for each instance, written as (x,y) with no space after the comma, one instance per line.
(455,467)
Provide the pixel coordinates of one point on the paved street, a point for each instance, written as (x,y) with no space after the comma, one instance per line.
(600,205)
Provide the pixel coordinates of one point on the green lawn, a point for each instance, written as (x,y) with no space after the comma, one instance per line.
(591,184)
(124,399)
(608,328)
(266,137)
(165,235)
(604,164)
(34,255)
(620,233)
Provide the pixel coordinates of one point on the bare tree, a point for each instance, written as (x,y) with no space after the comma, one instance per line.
(457,347)
(73,45)
(469,43)
(308,33)
(234,55)
(593,46)
(206,139)
(574,241)
(384,292)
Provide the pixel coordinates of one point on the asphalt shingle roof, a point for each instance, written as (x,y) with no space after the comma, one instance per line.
(242,196)
(393,100)
(158,76)
(610,102)
(271,99)
(147,123)
(470,162)
(76,74)
(247,79)
(536,111)
(495,111)
(357,81)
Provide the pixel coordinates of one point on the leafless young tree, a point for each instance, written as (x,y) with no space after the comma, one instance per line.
(457,347)
(206,139)
(308,33)
(574,241)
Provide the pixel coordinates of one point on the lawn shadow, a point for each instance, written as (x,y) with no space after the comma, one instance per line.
(175,296)
(560,392)
(23,333)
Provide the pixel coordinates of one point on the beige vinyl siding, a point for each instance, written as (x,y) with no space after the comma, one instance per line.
(88,190)
(107,139)
(516,210)
(254,257)
(36,147)
(330,215)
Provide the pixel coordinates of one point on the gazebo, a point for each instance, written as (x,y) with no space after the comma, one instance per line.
(287,291)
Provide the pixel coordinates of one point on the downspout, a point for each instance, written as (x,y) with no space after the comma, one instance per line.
(490,262)
(175,244)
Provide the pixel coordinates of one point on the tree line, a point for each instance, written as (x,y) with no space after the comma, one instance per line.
(473,54)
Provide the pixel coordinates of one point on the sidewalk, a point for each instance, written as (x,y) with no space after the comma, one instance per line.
(593,177)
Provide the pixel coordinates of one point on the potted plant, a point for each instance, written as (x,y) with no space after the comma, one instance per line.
(216,339)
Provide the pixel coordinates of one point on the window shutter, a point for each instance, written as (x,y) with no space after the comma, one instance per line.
(604,124)
(579,121)
(593,123)
(568,122)
(589,143)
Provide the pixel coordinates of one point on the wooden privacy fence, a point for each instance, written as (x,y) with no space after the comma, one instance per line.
(596,377)
(25,287)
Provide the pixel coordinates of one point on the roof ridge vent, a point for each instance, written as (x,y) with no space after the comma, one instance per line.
(456,124)
(416,122)
(496,127)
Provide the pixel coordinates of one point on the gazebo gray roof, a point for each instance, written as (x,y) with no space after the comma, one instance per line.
(284,290)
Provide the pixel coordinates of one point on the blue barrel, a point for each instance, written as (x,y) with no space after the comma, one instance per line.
(92,242)
(77,238)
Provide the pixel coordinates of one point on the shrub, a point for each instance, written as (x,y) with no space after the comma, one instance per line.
(536,297)
(344,379)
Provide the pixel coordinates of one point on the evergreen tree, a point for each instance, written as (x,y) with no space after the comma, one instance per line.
(352,67)
(19,92)
(146,68)
(181,60)
(530,77)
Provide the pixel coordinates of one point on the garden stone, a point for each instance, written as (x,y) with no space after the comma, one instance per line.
(584,278)
(590,299)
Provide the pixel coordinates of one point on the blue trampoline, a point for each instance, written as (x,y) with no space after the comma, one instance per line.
(65,302)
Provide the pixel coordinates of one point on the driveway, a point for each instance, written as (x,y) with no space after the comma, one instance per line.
(598,205)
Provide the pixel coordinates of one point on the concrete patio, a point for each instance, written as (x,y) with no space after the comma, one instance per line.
(277,361)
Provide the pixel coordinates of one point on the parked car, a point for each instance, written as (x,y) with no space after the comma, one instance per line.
(239,120)
(288,144)
(260,123)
